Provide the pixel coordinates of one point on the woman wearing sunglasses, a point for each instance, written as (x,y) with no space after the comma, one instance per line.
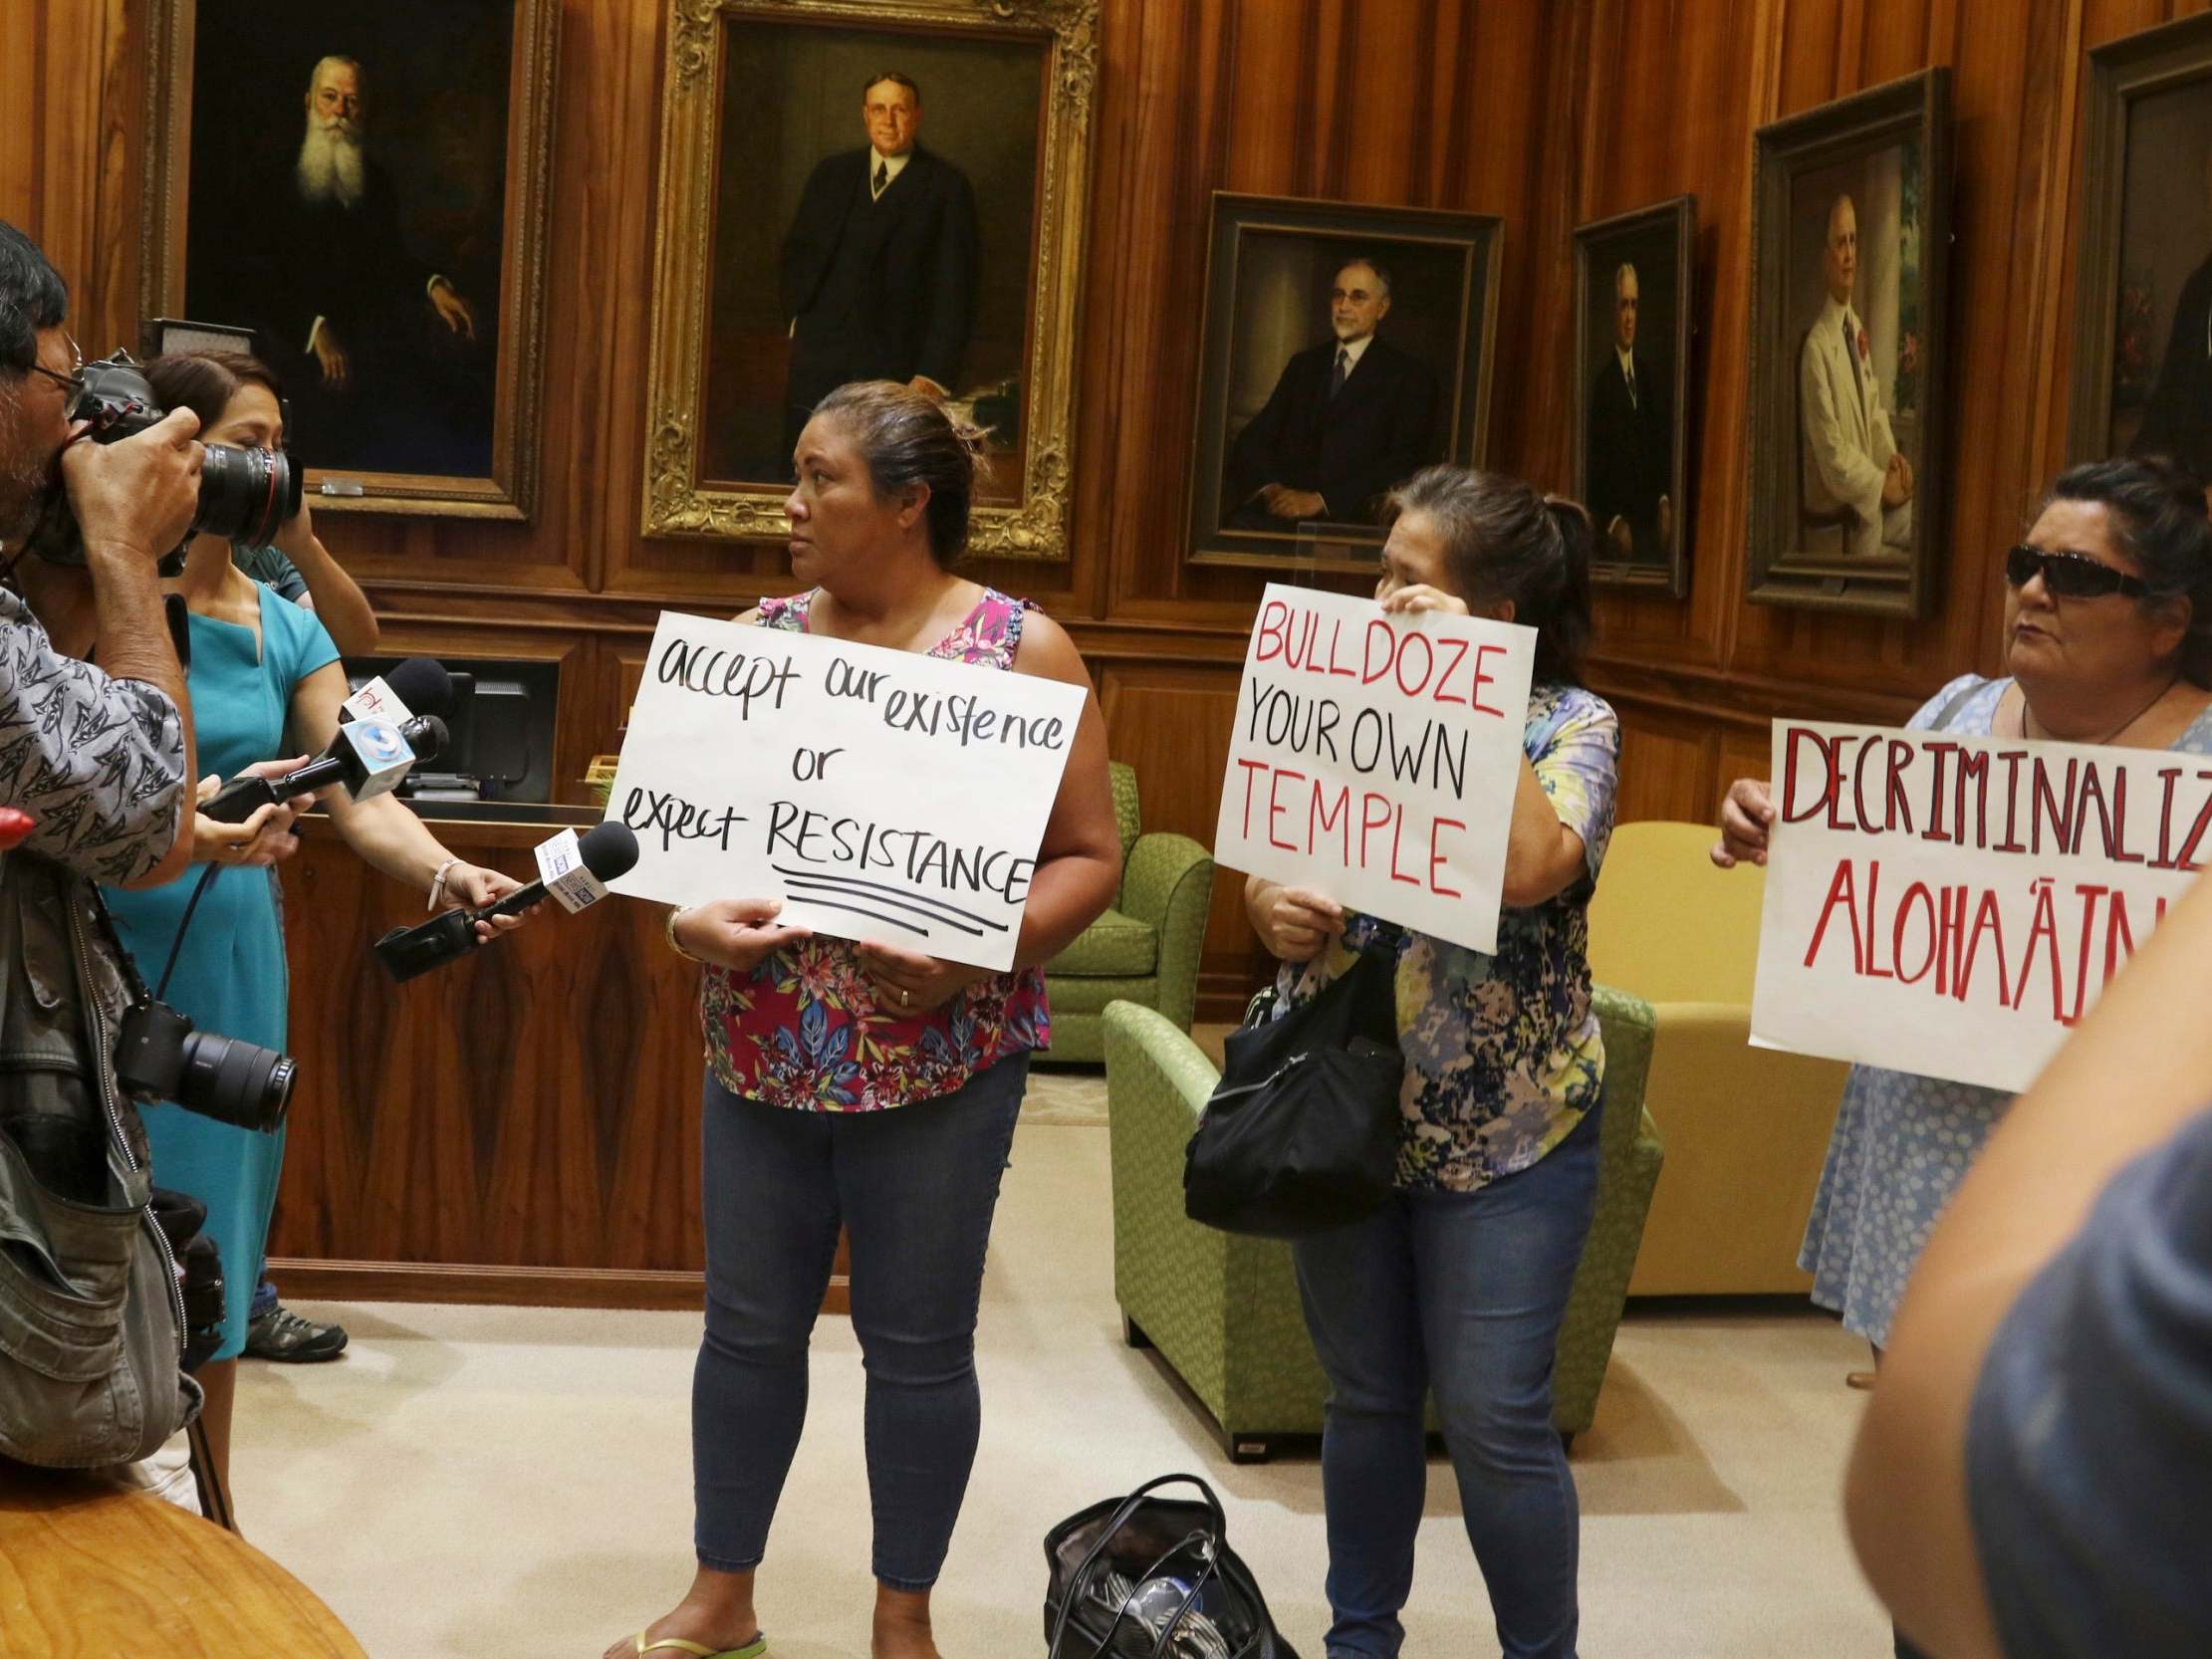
(2107,640)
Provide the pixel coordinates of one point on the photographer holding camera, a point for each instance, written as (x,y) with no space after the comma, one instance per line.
(101,757)
(95,767)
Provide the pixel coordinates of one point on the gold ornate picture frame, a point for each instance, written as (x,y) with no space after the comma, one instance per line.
(1851,247)
(753,210)
(424,266)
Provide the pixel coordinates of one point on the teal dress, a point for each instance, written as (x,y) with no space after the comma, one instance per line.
(230,976)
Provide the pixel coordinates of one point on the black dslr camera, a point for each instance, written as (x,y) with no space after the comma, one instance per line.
(160,1056)
(245,494)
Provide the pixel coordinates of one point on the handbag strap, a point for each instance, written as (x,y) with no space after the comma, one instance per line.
(1208,1551)
(1120,1519)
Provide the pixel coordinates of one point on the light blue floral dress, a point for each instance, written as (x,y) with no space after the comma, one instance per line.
(1902,1143)
(1503,1055)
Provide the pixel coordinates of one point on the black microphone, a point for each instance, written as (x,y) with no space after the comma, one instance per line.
(368,755)
(419,686)
(415,687)
(604,854)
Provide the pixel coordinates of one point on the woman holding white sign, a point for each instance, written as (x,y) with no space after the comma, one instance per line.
(867,1085)
(1460,1284)
(2107,640)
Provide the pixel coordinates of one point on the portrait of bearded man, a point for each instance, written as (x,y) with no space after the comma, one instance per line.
(387,361)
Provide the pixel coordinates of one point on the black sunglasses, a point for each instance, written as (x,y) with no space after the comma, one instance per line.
(2070,575)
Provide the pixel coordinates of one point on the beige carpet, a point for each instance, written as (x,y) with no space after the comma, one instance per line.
(514,1482)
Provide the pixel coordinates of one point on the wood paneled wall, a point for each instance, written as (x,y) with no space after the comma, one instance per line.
(1549,113)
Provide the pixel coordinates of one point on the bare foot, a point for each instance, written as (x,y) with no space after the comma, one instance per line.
(901,1627)
(718,1615)
(690,1627)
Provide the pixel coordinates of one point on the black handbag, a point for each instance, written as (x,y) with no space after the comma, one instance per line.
(1302,1132)
(1147,1577)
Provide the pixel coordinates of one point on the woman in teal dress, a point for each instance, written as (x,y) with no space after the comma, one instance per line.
(265,683)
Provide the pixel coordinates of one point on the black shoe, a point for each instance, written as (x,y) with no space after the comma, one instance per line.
(282,1334)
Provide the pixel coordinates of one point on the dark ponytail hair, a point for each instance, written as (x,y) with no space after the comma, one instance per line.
(1503,541)
(206,381)
(2159,519)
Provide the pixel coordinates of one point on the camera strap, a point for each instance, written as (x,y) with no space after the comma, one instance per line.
(176,949)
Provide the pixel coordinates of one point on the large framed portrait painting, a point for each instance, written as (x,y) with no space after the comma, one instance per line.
(1344,347)
(2143,363)
(364,186)
(1632,382)
(1851,244)
(868,191)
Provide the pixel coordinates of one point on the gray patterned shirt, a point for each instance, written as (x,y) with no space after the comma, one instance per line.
(98,761)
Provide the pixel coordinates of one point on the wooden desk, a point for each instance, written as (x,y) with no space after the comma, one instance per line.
(87,1568)
(521,1125)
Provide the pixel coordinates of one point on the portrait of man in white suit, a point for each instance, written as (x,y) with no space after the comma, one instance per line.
(1856,484)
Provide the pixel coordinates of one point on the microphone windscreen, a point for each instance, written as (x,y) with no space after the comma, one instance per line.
(427,737)
(424,686)
(608,851)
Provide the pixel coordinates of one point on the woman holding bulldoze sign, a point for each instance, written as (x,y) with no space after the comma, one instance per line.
(1460,1283)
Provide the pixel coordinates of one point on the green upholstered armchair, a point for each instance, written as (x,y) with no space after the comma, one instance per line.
(1144,950)
(1222,1308)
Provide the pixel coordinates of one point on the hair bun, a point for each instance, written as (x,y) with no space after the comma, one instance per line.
(2172,472)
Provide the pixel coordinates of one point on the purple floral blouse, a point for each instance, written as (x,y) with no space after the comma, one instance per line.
(803,1030)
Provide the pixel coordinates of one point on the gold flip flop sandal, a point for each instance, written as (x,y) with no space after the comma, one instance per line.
(754,1649)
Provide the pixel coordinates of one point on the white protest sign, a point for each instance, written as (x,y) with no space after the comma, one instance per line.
(881,794)
(1951,905)
(1375,759)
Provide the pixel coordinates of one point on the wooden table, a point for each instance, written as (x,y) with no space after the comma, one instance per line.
(89,1569)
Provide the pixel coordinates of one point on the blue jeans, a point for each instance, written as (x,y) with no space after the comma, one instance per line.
(1461,1293)
(914,1188)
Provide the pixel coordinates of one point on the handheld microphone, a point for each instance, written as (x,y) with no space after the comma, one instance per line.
(367,755)
(573,872)
(417,686)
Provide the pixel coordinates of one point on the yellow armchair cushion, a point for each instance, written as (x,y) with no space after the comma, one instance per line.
(1746,1132)
(1746,1129)
(1667,925)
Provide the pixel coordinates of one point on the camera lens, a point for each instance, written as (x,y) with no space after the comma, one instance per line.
(245,494)
(233,1082)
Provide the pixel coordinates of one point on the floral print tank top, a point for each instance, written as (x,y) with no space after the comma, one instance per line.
(803,1030)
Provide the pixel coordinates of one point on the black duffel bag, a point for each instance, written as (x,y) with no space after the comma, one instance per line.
(1302,1132)
(1147,1577)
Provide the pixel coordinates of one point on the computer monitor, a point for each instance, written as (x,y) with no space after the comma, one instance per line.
(499,731)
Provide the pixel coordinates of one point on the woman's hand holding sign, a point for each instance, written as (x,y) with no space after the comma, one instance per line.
(1420,596)
(1745,814)
(912,983)
(734,933)
(1294,924)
